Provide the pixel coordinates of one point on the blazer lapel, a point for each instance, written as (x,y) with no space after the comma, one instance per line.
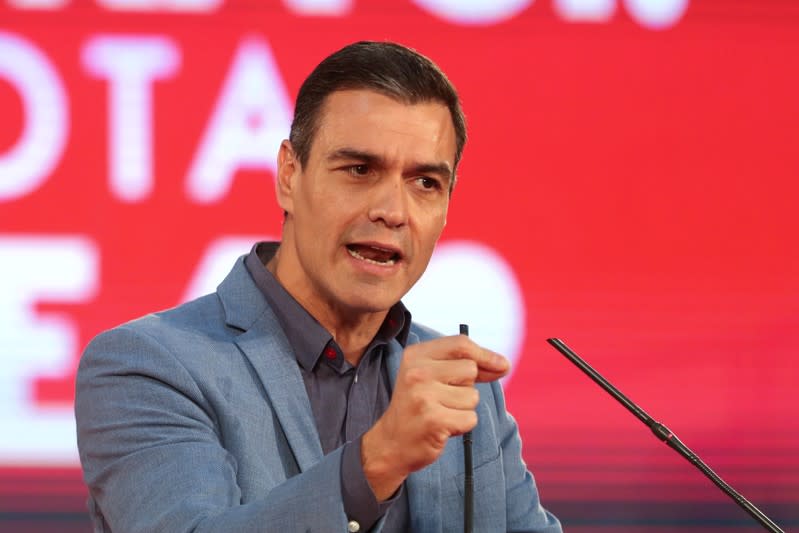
(268,350)
(423,486)
(270,354)
(275,364)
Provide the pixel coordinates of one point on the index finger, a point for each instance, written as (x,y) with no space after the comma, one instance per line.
(498,366)
(490,364)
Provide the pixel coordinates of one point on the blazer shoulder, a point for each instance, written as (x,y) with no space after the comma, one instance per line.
(202,316)
(186,332)
(422,333)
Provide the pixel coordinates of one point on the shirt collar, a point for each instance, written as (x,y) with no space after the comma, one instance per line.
(306,336)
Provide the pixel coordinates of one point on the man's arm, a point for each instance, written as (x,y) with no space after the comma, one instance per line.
(152,454)
(434,399)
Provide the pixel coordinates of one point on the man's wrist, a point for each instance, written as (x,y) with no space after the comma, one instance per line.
(360,503)
(380,465)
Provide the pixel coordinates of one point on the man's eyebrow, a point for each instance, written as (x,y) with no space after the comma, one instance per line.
(351,153)
(443,170)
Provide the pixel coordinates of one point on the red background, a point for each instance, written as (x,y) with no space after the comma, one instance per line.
(642,185)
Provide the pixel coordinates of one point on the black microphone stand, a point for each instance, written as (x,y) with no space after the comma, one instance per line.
(468,477)
(663,433)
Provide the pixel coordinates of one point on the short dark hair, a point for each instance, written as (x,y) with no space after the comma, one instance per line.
(388,68)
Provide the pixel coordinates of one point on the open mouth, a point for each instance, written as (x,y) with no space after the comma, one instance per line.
(373,254)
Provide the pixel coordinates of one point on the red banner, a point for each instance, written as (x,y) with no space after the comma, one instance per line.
(629,185)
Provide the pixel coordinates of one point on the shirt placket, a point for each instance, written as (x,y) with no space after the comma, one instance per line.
(360,400)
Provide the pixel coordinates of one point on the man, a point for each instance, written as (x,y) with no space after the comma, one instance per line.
(300,396)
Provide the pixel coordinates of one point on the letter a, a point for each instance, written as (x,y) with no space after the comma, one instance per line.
(251,118)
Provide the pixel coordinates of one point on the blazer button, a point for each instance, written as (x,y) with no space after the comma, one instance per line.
(353,526)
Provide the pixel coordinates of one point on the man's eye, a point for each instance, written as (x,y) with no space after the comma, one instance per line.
(429,183)
(359,170)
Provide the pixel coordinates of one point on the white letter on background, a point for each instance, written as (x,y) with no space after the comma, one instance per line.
(35,344)
(29,162)
(325,8)
(185,6)
(39,4)
(657,14)
(131,64)
(586,10)
(474,12)
(250,119)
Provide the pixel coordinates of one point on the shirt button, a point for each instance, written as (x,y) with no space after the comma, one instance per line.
(330,353)
(353,526)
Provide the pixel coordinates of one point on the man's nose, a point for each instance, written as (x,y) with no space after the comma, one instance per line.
(389,203)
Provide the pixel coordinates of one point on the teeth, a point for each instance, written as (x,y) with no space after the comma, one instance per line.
(356,255)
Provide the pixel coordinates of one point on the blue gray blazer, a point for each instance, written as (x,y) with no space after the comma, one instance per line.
(196,419)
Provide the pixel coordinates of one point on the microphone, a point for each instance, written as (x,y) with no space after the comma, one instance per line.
(468,479)
(663,433)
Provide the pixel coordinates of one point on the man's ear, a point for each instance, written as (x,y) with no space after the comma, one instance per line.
(288,170)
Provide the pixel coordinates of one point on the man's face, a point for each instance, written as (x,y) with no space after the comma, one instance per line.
(368,207)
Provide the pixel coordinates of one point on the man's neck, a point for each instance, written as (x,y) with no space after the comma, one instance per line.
(352,331)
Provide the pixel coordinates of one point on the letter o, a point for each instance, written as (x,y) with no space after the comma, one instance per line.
(31,160)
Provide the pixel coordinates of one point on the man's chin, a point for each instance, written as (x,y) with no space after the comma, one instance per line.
(369,301)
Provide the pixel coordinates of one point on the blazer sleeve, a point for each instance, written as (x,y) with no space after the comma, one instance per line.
(524,512)
(151,453)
